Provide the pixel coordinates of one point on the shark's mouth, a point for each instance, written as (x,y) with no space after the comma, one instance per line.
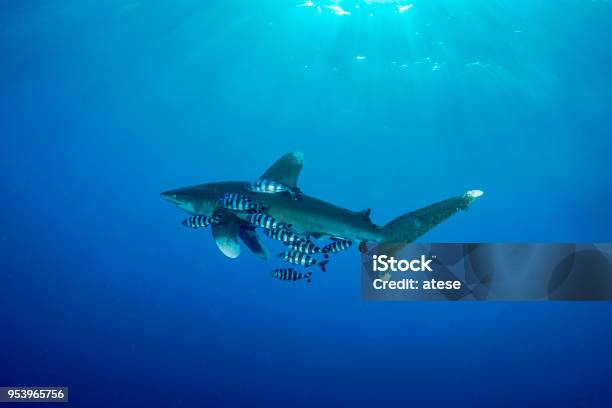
(169,196)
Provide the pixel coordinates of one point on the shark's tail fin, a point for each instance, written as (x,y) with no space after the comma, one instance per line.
(408,227)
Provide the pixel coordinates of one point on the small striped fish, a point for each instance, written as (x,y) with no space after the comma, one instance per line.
(299,258)
(237,202)
(337,246)
(282,234)
(199,221)
(265,221)
(291,274)
(305,246)
(266,186)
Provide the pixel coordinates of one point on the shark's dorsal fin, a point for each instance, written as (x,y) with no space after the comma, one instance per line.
(365,214)
(286,170)
(251,239)
(225,234)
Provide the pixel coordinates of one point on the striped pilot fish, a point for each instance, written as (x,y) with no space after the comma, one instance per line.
(291,274)
(337,246)
(265,221)
(305,246)
(238,202)
(282,234)
(200,221)
(299,258)
(266,186)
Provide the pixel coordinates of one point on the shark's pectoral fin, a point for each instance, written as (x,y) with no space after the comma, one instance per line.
(251,239)
(225,234)
(286,170)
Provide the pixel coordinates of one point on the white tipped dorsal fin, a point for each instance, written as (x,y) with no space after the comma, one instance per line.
(286,170)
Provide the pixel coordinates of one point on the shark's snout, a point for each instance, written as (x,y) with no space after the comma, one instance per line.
(170,196)
(196,200)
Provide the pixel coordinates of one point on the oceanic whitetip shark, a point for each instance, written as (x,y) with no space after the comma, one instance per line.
(307,215)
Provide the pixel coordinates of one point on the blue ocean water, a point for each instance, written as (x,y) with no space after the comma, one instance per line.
(103,105)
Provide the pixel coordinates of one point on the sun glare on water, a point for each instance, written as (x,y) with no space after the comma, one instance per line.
(345,8)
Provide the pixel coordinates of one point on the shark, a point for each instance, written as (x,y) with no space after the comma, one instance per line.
(308,216)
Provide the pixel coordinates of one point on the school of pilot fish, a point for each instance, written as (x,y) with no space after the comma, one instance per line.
(301,250)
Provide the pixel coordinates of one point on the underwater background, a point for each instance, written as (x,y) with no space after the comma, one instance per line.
(105,104)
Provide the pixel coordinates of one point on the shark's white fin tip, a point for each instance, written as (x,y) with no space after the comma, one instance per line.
(229,248)
(474,193)
(225,234)
(299,156)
